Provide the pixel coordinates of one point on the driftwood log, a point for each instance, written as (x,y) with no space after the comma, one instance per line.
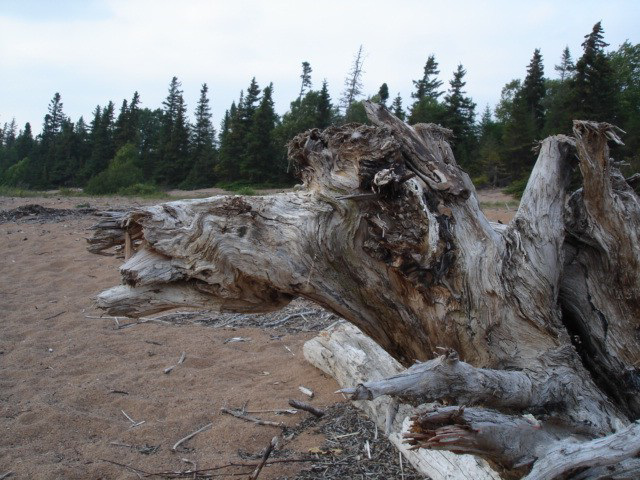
(528,335)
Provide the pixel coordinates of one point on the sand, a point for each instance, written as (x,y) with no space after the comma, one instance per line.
(67,378)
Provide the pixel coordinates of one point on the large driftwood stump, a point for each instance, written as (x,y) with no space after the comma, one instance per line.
(528,335)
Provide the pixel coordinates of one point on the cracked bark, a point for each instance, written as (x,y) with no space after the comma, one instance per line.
(386,232)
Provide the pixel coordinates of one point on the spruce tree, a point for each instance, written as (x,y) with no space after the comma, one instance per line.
(426,107)
(173,163)
(250,103)
(149,127)
(429,84)
(51,129)
(203,153)
(595,89)
(53,119)
(459,115)
(101,140)
(25,142)
(306,78)
(533,90)
(324,111)
(258,162)
(566,67)
(396,107)
(383,94)
(121,125)
(489,151)
(232,143)
(353,82)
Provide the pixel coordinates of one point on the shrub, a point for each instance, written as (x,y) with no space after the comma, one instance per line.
(516,188)
(481,181)
(121,173)
(140,190)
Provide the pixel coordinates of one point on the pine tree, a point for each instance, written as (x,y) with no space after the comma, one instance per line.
(9,134)
(429,84)
(51,129)
(489,151)
(173,163)
(203,153)
(383,94)
(250,103)
(566,67)
(353,82)
(53,120)
(232,143)
(324,111)
(396,107)
(101,140)
(426,107)
(306,78)
(25,142)
(121,125)
(127,127)
(83,149)
(66,162)
(150,124)
(595,89)
(259,158)
(459,115)
(533,90)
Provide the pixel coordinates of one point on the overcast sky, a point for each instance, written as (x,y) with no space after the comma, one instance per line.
(93,51)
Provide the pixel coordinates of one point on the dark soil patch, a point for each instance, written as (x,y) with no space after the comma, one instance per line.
(34,213)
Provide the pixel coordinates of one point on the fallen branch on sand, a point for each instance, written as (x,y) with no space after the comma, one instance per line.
(248,418)
(306,407)
(190,436)
(265,457)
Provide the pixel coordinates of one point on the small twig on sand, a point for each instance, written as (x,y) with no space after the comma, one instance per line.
(204,471)
(191,435)
(5,475)
(307,391)
(137,471)
(194,465)
(121,392)
(243,416)
(306,407)
(181,360)
(133,422)
(48,318)
(277,411)
(265,457)
(118,444)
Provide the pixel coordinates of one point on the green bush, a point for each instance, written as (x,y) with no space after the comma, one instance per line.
(140,190)
(481,181)
(245,191)
(18,175)
(121,173)
(516,188)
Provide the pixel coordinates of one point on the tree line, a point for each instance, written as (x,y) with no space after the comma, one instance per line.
(141,149)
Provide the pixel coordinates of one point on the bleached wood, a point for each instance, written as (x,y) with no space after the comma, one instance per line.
(386,232)
(351,358)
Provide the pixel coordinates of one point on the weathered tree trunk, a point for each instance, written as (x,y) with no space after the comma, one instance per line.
(539,317)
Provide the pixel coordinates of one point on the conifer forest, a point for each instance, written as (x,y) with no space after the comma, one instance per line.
(127,146)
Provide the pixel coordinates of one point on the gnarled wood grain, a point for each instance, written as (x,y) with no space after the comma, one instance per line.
(386,232)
